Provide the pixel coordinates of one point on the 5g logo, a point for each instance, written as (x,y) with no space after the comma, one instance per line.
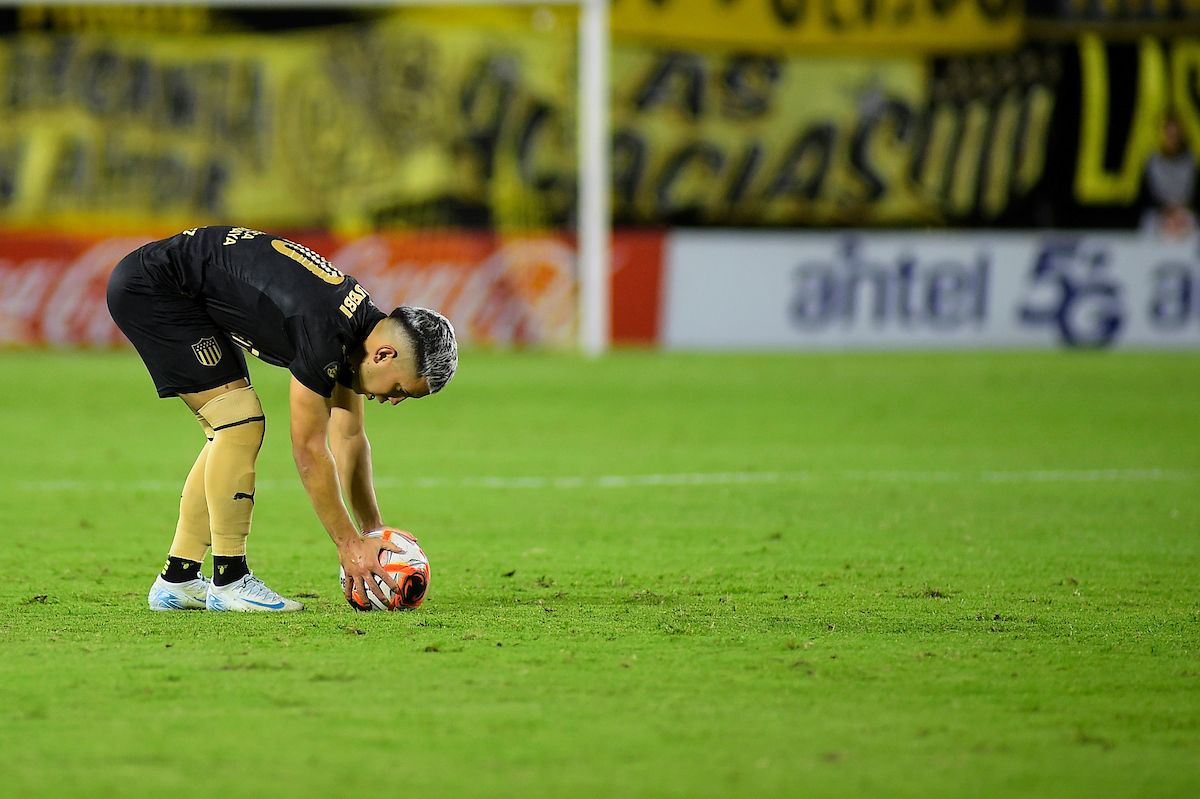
(1073,292)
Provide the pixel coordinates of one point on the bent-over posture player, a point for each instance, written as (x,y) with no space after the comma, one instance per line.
(184,302)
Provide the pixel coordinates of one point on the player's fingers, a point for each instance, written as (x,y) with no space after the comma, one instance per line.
(377,591)
(348,586)
(363,586)
(390,547)
(387,578)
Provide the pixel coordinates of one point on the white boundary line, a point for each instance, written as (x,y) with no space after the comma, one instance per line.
(676,479)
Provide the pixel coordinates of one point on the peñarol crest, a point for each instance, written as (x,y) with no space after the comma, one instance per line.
(208,351)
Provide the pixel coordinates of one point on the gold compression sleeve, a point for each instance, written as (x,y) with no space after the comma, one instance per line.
(237,422)
(192,537)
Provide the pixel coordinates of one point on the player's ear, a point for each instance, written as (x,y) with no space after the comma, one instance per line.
(384,352)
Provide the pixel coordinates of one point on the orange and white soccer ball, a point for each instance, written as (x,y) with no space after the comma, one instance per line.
(409,568)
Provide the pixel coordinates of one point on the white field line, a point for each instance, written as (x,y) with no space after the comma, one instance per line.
(674,479)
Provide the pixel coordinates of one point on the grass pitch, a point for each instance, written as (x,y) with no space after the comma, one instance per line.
(677,576)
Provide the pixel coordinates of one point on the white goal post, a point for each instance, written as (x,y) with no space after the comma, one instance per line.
(594,220)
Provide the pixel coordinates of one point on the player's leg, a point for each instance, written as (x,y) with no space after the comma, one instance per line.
(192,534)
(235,415)
(182,585)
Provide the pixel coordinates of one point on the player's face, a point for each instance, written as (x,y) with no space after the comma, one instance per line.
(403,387)
(389,376)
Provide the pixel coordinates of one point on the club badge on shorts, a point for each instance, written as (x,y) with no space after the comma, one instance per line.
(208,351)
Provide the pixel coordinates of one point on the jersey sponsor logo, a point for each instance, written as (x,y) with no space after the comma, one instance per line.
(241,234)
(331,370)
(353,299)
(316,264)
(208,351)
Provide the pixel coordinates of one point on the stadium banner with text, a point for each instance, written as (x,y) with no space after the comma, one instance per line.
(512,290)
(838,25)
(743,290)
(1125,91)
(400,125)
(354,128)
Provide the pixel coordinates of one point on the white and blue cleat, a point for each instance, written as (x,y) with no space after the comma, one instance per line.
(249,595)
(191,595)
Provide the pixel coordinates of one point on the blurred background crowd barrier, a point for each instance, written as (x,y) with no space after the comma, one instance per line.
(785,174)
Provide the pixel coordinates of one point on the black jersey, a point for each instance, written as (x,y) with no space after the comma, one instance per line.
(279,300)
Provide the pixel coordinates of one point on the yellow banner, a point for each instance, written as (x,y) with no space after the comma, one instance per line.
(400,125)
(1166,73)
(847,25)
(741,139)
(350,127)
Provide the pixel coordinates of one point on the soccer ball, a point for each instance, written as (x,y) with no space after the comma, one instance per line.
(409,568)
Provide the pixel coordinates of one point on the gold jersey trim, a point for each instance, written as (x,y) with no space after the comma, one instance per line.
(314,263)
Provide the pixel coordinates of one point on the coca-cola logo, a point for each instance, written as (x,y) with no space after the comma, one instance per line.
(517,291)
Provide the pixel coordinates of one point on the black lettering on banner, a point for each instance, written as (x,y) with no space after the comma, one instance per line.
(677,80)
(996,10)
(975,152)
(219,101)
(789,13)
(744,174)
(870,125)
(748,82)
(628,166)
(539,141)
(11,156)
(484,102)
(707,157)
(806,165)
(839,23)
(842,15)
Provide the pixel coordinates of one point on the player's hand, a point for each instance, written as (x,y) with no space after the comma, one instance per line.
(360,560)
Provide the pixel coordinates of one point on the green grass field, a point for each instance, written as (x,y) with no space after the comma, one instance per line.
(684,576)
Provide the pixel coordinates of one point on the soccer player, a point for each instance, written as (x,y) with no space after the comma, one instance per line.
(185,302)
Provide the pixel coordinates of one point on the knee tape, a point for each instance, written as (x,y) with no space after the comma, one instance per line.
(204,425)
(232,409)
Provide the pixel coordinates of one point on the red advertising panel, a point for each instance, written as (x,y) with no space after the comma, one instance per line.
(501,290)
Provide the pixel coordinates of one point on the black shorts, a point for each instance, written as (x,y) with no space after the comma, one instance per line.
(182,347)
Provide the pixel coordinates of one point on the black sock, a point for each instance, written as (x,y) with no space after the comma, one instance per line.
(229,569)
(180,570)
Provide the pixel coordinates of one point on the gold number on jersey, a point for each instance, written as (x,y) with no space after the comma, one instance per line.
(310,260)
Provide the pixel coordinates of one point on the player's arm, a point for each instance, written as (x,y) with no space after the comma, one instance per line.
(352,455)
(310,414)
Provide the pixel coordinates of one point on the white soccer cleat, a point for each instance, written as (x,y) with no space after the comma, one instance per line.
(249,595)
(191,595)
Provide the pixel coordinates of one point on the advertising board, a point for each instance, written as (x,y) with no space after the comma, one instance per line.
(738,290)
(498,290)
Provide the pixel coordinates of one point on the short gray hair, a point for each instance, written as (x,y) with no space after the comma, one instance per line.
(433,340)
